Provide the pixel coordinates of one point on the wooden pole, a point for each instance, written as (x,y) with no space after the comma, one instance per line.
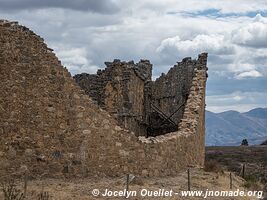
(243,170)
(127,182)
(188,179)
(25,183)
(231,181)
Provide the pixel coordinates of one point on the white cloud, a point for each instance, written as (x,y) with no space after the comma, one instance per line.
(75,59)
(237,98)
(249,74)
(214,44)
(238,66)
(254,34)
(73,56)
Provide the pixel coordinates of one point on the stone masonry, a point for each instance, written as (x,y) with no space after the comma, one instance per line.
(120,90)
(146,107)
(50,126)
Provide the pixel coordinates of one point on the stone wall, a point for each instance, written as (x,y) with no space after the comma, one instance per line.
(49,126)
(120,90)
(146,107)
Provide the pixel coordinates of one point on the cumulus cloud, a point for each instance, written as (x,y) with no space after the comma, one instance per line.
(238,65)
(253,34)
(101,6)
(74,56)
(249,74)
(76,60)
(214,44)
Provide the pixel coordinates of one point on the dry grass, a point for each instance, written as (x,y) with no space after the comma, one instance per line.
(10,190)
(81,189)
(232,158)
(213,166)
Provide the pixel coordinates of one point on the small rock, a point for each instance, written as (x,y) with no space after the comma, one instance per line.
(71,155)
(27,139)
(76,96)
(105,121)
(86,132)
(11,152)
(51,109)
(40,158)
(118,144)
(63,126)
(23,168)
(46,137)
(124,153)
(80,115)
(144,172)
(106,127)
(83,125)
(60,113)
(81,108)
(29,152)
(118,128)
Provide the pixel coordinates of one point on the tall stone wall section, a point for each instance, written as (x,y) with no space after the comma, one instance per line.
(49,126)
(146,107)
(170,91)
(120,90)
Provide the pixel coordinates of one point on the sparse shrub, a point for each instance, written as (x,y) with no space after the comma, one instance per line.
(252,183)
(43,196)
(213,166)
(10,191)
(138,181)
(265,188)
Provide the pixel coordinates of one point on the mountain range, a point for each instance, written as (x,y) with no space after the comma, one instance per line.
(231,127)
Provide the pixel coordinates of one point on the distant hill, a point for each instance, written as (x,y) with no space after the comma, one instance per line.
(231,127)
(264,143)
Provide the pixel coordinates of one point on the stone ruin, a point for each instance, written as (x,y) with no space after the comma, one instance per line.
(146,107)
(112,123)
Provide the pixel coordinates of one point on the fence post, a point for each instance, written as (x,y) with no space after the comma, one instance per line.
(231,181)
(127,183)
(243,170)
(25,183)
(188,179)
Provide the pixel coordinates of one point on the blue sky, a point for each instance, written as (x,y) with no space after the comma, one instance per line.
(86,33)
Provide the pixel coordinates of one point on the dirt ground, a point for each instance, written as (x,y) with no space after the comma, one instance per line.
(81,189)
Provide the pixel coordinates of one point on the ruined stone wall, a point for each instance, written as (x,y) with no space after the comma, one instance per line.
(120,90)
(49,126)
(170,90)
(146,107)
(162,155)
